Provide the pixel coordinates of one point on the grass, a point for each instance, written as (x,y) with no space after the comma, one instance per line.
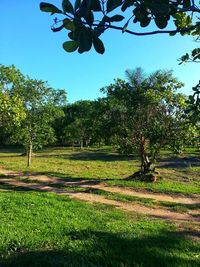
(163,186)
(109,167)
(41,229)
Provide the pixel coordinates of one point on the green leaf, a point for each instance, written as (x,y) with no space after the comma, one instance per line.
(186,3)
(112,4)
(85,41)
(67,6)
(77,4)
(73,35)
(125,26)
(68,24)
(95,5)
(70,46)
(46,7)
(172,33)
(145,22)
(160,9)
(127,3)
(161,23)
(86,4)
(57,29)
(115,18)
(98,45)
(89,18)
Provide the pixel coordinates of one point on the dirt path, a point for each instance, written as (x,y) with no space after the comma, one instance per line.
(95,184)
(39,182)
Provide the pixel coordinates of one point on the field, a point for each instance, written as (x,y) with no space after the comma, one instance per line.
(80,208)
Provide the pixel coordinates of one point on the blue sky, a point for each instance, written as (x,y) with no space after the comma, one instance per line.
(28,42)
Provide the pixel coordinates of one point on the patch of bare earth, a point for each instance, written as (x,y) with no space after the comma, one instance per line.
(39,182)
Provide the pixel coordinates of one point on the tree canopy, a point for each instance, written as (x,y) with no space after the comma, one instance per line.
(32,105)
(87,20)
(148,114)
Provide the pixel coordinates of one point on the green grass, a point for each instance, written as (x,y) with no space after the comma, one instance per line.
(163,186)
(39,229)
(106,166)
(42,229)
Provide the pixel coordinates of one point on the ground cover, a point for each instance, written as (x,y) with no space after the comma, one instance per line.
(39,228)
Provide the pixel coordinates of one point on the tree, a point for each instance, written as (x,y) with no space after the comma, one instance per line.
(41,104)
(77,127)
(147,113)
(11,106)
(87,20)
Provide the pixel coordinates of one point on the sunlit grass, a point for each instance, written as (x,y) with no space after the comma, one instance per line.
(42,229)
(103,165)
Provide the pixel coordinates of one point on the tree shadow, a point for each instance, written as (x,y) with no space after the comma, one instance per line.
(91,156)
(179,163)
(89,248)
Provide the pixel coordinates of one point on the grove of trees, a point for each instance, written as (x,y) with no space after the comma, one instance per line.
(141,115)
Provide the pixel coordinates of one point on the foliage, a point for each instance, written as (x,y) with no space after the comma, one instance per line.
(42,105)
(36,108)
(148,114)
(11,106)
(84,123)
(87,20)
(193,109)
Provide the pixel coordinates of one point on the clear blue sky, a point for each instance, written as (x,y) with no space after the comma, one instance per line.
(27,41)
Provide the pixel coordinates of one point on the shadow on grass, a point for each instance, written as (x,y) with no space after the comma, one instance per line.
(91,156)
(179,163)
(87,248)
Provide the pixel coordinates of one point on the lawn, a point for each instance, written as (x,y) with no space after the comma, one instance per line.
(48,230)
(40,229)
(177,175)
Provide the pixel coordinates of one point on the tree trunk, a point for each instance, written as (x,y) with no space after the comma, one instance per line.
(81,144)
(145,162)
(29,153)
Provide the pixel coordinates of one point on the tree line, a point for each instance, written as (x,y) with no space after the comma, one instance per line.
(141,114)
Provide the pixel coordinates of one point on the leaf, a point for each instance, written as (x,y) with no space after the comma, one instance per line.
(85,41)
(95,5)
(127,3)
(89,18)
(67,6)
(73,35)
(77,4)
(112,4)
(115,18)
(46,7)
(98,45)
(145,22)
(57,29)
(86,4)
(160,9)
(172,33)
(70,46)
(186,3)
(161,23)
(125,26)
(68,24)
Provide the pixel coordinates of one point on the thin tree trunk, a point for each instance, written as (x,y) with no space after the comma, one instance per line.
(81,144)
(145,162)
(29,153)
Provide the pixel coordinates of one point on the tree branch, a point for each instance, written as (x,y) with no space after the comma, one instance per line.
(183,30)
